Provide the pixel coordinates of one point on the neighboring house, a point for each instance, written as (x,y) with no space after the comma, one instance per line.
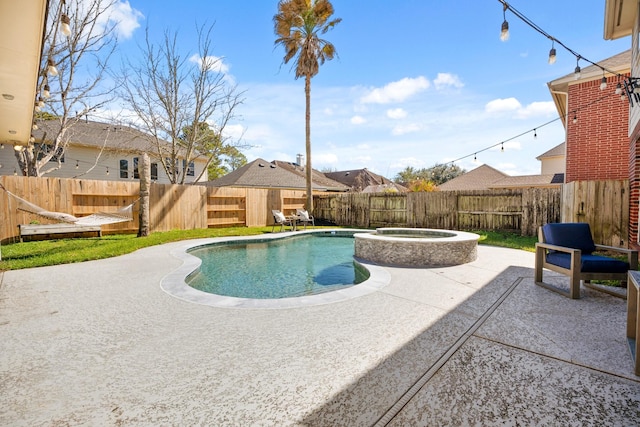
(317,177)
(553,161)
(622,19)
(365,181)
(595,121)
(487,178)
(101,151)
(263,174)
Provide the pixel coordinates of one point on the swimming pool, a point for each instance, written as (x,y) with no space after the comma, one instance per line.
(175,285)
(302,265)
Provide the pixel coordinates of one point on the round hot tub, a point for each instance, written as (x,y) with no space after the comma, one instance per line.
(417,247)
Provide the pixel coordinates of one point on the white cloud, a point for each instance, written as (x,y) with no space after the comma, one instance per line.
(358,120)
(324,159)
(396,113)
(328,111)
(404,129)
(363,147)
(125,18)
(211,63)
(535,109)
(445,80)
(502,105)
(396,91)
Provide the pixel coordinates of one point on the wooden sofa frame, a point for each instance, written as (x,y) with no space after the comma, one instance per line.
(574,273)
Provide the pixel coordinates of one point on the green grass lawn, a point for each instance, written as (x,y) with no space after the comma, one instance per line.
(63,251)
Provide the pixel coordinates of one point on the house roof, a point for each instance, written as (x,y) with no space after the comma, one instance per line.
(479,178)
(317,177)
(263,174)
(98,134)
(360,179)
(558,150)
(524,181)
(559,88)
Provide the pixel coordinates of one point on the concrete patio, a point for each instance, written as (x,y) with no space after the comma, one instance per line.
(100,343)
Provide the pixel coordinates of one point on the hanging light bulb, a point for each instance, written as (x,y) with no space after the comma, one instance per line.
(577,70)
(618,89)
(17,147)
(504,33)
(107,171)
(77,165)
(502,148)
(51,67)
(603,83)
(535,134)
(475,157)
(41,102)
(575,118)
(37,107)
(1,146)
(65,28)
(32,139)
(34,126)
(46,92)
(15,172)
(552,54)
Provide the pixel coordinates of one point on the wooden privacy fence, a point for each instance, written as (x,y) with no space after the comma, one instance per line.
(518,210)
(172,207)
(602,204)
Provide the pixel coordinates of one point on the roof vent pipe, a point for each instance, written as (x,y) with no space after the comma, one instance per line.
(299,159)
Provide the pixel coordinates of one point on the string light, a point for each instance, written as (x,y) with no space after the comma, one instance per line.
(618,89)
(65,28)
(46,91)
(535,134)
(552,54)
(577,70)
(575,118)
(504,32)
(51,67)
(603,82)
(502,148)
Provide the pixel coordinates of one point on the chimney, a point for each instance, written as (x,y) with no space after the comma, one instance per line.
(299,159)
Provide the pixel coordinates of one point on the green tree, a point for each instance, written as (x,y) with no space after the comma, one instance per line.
(222,156)
(297,26)
(438,174)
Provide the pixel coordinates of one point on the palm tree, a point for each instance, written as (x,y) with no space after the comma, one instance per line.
(297,26)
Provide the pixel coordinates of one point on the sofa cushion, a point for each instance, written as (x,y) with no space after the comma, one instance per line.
(575,235)
(589,263)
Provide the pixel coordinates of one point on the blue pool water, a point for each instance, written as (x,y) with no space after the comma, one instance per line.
(290,267)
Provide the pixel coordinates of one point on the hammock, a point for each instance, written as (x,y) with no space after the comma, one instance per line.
(99,218)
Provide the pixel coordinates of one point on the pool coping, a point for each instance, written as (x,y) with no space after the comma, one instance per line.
(175,285)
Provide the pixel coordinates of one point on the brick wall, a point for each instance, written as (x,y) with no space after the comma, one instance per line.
(598,143)
(634,185)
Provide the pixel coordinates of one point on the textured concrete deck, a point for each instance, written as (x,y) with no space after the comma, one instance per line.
(100,343)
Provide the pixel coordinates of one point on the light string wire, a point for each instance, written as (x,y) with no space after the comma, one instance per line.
(501,143)
(522,17)
(533,25)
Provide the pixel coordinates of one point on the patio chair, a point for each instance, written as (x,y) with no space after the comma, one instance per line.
(279,218)
(567,248)
(304,217)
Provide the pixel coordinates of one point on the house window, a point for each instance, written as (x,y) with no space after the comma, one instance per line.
(190,171)
(136,171)
(154,171)
(45,149)
(124,169)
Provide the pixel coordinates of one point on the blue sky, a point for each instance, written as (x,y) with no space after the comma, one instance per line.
(415,83)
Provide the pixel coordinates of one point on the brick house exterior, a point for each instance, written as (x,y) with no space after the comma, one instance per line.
(595,121)
(622,19)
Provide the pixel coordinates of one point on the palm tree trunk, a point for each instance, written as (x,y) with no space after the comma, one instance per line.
(307,92)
